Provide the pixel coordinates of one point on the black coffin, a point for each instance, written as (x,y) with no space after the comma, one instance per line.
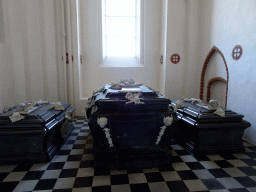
(207,132)
(37,137)
(133,128)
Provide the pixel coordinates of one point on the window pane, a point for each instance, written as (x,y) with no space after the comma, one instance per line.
(120,7)
(120,47)
(120,27)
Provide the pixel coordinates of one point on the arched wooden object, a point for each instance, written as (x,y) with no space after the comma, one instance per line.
(210,82)
(206,62)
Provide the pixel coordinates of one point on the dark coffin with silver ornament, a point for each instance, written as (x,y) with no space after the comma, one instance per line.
(131,128)
(202,131)
(35,138)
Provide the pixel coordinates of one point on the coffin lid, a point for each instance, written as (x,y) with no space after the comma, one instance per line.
(43,113)
(191,110)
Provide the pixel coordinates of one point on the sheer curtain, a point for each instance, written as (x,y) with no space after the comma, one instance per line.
(67,35)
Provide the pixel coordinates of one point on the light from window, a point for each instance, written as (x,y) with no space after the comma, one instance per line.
(121,28)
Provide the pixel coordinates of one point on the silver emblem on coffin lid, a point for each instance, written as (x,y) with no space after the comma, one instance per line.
(134,97)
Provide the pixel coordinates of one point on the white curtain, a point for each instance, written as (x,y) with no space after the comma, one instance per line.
(67,36)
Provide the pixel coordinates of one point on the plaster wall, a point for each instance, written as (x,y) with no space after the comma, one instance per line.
(27,54)
(162,71)
(175,43)
(93,75)
(6,80)
(226,24)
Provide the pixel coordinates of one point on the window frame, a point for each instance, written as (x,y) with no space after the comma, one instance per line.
(138,60)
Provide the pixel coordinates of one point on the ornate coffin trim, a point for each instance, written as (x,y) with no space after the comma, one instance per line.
(102,122)
(167,121)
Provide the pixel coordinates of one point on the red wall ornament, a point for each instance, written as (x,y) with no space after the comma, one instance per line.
(67,58)
(175,58)
(237,52)
(161,59)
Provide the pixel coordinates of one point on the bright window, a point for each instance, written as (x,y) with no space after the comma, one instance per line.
(122,30)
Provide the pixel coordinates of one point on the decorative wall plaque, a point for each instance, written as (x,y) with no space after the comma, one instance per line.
(175,58)
(237,52)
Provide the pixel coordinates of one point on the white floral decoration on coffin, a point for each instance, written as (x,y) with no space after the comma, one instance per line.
(167,121)
(68,115)
(102,122)
(16,117)
(220,112)
(134,98)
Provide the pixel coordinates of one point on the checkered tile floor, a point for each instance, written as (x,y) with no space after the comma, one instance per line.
(72,170)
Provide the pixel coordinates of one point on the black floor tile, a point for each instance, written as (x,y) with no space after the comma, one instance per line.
(8,186)
(88,151)
(74,157)
(154,177)
(45,184)
(65,173)
(141,187)
(238,190)
(33,175)
(102,188)
(166,167)
(83,182)
(246,181)
(62,190)
(70,141)
(64,152)
(253,148)
(187,175)
(195,165)
(223,164)
(22,167)
(249,171)
(78,146)
(227,156)
(250,162)
(101,171)
(85,164)
(2,176)
(212,184)
(251,154)
(176,159)
(201,157)
(79,123)
(89,141)
(129,171)
(218,173)
(182,152)
(119,179)
(82,137)
(177,186)
(55,165)
(84,130)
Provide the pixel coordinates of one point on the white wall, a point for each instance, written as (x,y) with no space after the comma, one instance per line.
(6,80)
(162,71)
(175,43)
(28,54)
(226,24)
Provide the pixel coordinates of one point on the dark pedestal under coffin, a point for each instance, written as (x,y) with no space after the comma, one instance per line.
(128,134)
(208,132)
(37,137)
